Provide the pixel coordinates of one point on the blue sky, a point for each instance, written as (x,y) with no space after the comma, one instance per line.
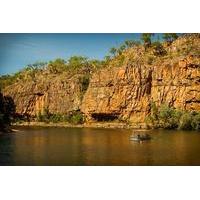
(19,50)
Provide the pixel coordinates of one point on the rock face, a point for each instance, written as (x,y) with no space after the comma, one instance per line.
(58,94)
(177,84)
(123,92)
(126,93)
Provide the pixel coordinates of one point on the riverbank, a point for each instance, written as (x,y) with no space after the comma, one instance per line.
(86,125)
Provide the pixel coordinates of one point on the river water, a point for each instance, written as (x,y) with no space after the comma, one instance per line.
(96,146)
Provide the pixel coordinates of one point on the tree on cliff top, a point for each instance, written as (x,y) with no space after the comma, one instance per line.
(131,43)
(170,37)
(113,51)
(57,65)
(77,61)
(146,38)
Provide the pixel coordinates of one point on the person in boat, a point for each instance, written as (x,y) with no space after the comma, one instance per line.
(138,136)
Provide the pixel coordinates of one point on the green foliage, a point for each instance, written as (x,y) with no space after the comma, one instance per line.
(170,37)
(196,122)
(77,62)
(146,38)
(186,121)
(150,60)
(76,118)
(119,60)
(40,117)
(170,118)
(107,58)
(95,64)
(113,51)
(43,117)
(57,66)
(158,49)
(121,49)
(131,43)
(55,118)
(84,80)
(37,65)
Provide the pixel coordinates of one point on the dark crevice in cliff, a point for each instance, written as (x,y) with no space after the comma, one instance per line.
(104,116)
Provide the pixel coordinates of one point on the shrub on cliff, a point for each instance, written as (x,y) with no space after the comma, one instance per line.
(196,122)
(75,117)
(158,49)
(43,117)
(77,61)
(146,38)
(113,51)
(57,66)
(186,121)
(131,43)
(190,121)
(84,80)
(170,37)
(55,118)
(170,118)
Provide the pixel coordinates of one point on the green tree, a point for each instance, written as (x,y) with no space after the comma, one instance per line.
(158,49)
(121,49)
(77,62)
(168,117)
(113,51)
(146,38)
(131,43)
(57,65)
(196,122)
(186,121)
(107,58)
(170,37)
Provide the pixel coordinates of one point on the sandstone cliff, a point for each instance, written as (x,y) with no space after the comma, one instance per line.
(126,92)
(122,90)
(59,93)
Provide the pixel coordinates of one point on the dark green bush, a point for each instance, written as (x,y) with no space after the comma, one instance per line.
(196,122)
(40,117)
(185,121)
(76,118)
(170,118)
(158,49)
(55,118)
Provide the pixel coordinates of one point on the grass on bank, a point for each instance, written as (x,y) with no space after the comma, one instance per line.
(75,117)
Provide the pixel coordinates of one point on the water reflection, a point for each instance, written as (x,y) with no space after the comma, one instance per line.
(85,146)
(6,150)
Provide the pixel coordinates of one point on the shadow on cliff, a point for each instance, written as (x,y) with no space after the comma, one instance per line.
(7,111)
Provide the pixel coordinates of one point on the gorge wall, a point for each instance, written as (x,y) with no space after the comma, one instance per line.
(57,93)
(127,92)
(122,92)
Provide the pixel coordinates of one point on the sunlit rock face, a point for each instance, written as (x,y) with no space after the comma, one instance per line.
(128,91)
(177,84)
(123,90)
(58,94)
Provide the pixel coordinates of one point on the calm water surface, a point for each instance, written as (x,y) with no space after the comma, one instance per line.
(90,146)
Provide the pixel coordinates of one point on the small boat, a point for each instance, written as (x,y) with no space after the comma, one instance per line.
(140,137)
